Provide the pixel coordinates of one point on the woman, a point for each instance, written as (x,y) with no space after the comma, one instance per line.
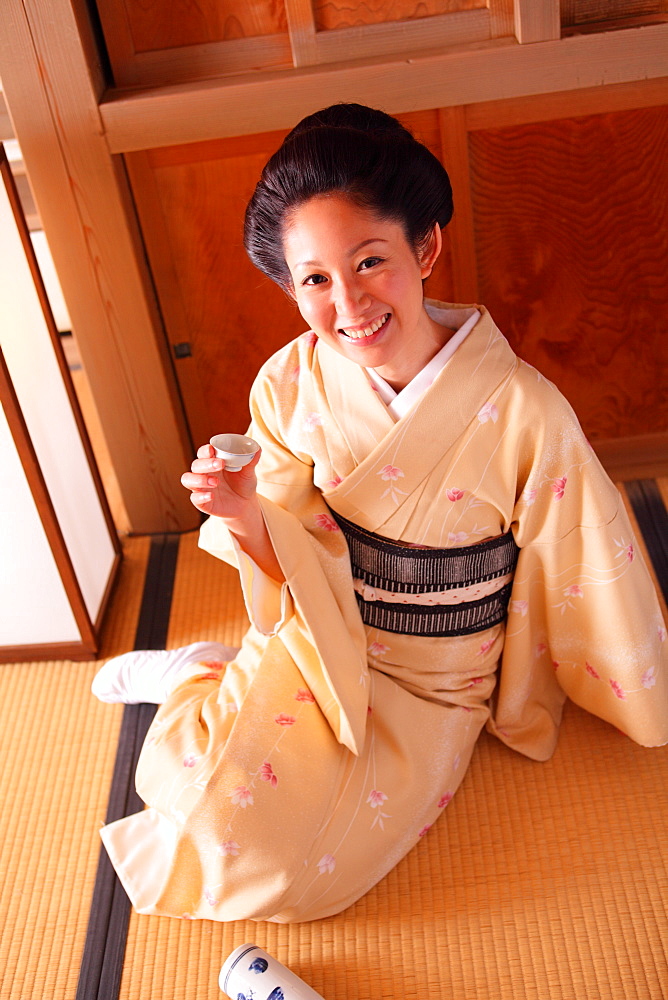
(427,545)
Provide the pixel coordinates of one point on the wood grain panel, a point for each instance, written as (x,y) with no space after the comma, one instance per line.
(571,223)
(231,315)
(191,202)
(460,232)
(333,14)
(575,12)
(165,24)
(425,126)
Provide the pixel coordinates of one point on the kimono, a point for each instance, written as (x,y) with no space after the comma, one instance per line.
(283,785)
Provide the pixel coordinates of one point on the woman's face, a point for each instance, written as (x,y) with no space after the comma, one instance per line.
(358,284)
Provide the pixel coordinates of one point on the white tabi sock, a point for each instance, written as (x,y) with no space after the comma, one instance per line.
(149,675)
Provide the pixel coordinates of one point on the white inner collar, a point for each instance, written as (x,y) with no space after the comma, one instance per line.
(399,403)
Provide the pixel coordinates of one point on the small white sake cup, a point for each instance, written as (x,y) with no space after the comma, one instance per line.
(249,973)
(236,449)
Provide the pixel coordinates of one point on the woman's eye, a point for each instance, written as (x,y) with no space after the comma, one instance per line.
(369,262)
(314,279)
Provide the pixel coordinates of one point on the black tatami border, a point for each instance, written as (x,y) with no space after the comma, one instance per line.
(106,936)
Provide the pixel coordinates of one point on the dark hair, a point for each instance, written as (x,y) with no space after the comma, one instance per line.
(358,151)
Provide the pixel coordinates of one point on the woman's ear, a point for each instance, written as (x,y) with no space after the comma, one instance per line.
(429,252)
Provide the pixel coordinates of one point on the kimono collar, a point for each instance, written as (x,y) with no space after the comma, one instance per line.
(412,446)
(399,403)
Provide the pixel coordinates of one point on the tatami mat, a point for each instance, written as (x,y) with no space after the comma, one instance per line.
(57,748)
(541,881)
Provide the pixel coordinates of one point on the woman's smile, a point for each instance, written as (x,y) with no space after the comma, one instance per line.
(358,284)
(366,333)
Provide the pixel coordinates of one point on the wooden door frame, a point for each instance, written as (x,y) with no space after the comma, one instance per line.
(53,87)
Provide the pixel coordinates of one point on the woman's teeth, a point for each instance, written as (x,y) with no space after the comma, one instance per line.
(367,330)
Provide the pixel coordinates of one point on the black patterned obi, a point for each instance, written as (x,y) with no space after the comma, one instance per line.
(424,591)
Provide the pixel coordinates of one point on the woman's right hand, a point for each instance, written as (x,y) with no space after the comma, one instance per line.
(233,496)
(229,495)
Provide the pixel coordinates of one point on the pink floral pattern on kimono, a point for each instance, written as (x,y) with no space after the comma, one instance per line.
(559,487)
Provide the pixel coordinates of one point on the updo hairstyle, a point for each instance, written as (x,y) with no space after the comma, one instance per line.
(357,151)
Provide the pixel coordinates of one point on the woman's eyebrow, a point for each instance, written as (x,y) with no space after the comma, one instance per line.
(351,252)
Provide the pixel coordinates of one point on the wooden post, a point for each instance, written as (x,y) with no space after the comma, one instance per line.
(537,20)
(53,85)
(301,24)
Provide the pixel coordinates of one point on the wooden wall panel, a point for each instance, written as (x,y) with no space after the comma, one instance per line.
(574,12)
(425,126)
(211,297)
(191,202)
(571,222)
(155,24)
(333,14)
(560,228)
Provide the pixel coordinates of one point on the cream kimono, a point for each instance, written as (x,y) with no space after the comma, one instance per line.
(283,785)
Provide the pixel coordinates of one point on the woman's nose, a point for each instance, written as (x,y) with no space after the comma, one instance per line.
(351,298)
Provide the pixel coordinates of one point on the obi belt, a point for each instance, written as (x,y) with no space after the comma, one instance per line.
(426,591)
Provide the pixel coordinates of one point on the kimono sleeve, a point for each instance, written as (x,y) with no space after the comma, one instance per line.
(316,614)
(282,475)
(584,619)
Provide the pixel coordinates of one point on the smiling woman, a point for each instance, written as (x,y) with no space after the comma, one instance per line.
(427,545)
(363,294)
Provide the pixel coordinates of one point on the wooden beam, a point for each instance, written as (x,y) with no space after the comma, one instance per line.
(301,29)
(52,84)
(199,62)
(537,20)
(493,70)
(568,104)
(502,17)
(405,38)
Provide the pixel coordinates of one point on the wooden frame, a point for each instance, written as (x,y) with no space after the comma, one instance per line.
(88,628)
(526,21)
(86,209)
(494,70)
(10,186)
(87,648)
(389,38)
(303,45)
(537,22)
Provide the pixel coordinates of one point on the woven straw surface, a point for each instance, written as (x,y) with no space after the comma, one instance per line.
(57,750)
(540,881)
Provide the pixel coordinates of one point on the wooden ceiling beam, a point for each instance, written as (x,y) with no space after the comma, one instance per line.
(493,70)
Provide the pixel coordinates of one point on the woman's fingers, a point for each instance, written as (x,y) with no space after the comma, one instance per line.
(200,499)
(208,464)
(197,482)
